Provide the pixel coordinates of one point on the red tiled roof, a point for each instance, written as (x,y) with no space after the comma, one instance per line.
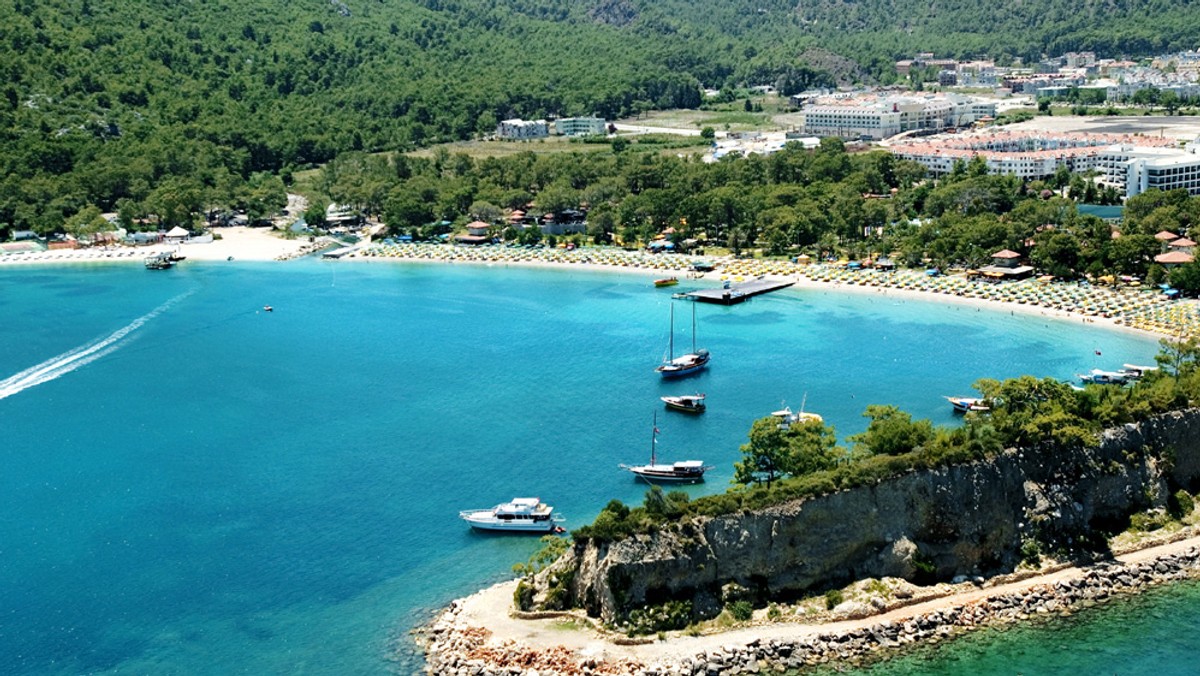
(1182,242)
(1174,257)
(1166,236)
(1006,254)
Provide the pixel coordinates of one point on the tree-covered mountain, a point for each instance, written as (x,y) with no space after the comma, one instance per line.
(127,105)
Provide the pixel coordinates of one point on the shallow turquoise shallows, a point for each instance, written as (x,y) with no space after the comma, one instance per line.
(194,485)
(1157,633)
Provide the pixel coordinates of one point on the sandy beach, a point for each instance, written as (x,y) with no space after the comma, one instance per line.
(1140,310)
(239,243)
(1121,308)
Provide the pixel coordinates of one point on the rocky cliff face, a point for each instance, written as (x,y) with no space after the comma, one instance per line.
(962,520)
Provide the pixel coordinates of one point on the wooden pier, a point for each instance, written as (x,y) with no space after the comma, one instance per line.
(739,292)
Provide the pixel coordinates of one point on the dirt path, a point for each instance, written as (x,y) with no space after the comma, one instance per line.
(490,608)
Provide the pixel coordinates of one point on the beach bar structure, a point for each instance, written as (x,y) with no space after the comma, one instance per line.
(740,292)
(1006,265)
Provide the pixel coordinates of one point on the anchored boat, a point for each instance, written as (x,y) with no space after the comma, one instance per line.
(968,404)
(684,365)
(686,403)
(162,261)
(522,515)
(683,472)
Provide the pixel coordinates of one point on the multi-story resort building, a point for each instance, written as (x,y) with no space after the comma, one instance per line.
(871,117)
(517,129)
(580,126)
(1131,164)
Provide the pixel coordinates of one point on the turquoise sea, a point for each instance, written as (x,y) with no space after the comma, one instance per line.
(193,485)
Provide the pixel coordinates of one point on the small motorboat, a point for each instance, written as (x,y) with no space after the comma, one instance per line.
(686,403)
(787,418)
(1134,371)
(268,308)
(968,404)
(666,281)
(160,261)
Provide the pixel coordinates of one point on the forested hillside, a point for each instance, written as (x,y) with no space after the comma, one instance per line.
(157,106)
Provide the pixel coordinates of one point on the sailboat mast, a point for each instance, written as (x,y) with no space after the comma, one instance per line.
(693,327)
(671,339)
(654,440)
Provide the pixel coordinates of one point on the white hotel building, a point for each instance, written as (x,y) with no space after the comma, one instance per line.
(1132,165)
(1146,170)
(517,129)
(876,118)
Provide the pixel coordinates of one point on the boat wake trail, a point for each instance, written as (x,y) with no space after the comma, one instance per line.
(80,356)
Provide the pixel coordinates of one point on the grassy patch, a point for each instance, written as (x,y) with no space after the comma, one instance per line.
(482,149)
(717,117)
(568,624)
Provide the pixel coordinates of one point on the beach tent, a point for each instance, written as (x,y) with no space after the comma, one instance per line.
(176,234)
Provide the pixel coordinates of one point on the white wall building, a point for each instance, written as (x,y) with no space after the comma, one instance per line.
(1146,171)
(580,126)
(875,118)
(517,129)
(1130,166)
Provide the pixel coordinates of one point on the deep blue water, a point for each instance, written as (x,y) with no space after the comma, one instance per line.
(193,485)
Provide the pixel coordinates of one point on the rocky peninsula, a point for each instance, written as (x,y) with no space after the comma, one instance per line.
(960,532)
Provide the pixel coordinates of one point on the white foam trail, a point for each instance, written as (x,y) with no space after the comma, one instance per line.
(80,356)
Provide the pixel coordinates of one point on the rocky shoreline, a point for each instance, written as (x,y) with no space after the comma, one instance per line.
(456,648)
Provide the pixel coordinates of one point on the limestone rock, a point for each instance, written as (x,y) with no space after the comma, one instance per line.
(965,520)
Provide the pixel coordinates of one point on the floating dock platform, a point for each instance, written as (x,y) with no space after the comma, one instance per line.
(739,292)
(344,251)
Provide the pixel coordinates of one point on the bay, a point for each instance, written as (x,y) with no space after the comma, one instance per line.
(195,485)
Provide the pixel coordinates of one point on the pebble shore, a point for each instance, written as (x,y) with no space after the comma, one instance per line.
(455,649)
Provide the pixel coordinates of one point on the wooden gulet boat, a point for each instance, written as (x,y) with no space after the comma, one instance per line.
(683,365)
(683,472)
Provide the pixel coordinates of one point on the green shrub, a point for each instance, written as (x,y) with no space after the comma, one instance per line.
(523,596)
(1148,522)
(662,617)
(1180,504)
(926,570)
(558,596)
(833,598)
(773,612)
(741,610)
(1031,553)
